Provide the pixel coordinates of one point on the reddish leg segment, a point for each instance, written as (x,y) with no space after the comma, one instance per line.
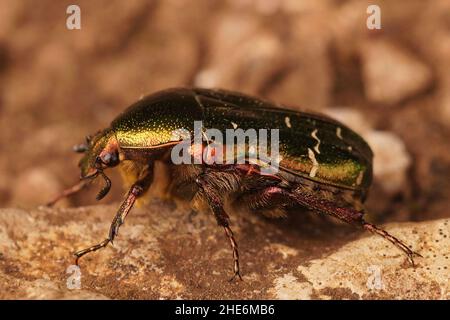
(346,214)
(351,216)
(136,190)
(68,192)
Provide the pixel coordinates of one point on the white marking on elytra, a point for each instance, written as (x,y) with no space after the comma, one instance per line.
(314,135)
(360,178)
(197,99)
(339,133)
(287,120)
(234,125)
(205,137)
(349,148)
(315,165)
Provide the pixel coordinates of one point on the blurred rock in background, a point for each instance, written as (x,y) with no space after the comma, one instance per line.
(58,85)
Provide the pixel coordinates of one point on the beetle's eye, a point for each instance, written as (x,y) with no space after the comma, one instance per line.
(106,158)
(110,159)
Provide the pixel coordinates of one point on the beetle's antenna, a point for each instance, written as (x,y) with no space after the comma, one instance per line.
(80,148)
(104,191)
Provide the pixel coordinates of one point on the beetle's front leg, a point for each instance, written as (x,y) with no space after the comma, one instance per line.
(68,192)
(215,202)
(136,190)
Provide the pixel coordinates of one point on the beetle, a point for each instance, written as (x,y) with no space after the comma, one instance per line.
(323,166)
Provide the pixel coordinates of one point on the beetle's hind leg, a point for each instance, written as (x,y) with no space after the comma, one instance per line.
(136,190)
(348,215)
(398,243)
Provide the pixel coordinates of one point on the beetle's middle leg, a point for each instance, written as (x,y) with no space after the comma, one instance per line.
(211,186)
(136,190)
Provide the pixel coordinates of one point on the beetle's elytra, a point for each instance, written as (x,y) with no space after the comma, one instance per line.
(323,165)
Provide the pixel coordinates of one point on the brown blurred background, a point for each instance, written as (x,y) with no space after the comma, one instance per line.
(391,85)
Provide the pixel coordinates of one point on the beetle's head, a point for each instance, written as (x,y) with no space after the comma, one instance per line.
(101,151)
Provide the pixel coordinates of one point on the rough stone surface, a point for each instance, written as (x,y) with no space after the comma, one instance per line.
(160,254)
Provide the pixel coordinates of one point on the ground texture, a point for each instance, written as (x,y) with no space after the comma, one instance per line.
(161,253)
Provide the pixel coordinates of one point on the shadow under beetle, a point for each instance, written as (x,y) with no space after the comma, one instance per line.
(324,166)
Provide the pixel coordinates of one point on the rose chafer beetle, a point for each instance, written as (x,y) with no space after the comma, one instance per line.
(323,165)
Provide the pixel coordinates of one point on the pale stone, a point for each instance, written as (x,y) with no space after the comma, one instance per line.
(391,160)
(159,255)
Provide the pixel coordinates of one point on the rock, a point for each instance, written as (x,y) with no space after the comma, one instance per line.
(444,52)
(36,184)
(348,27)
(306,79)
(391,160)
(242,56)
(392,74)
(159,254)
(351,117)
(288,67)
(377,276)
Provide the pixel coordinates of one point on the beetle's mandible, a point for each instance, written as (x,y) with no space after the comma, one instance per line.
(323,165)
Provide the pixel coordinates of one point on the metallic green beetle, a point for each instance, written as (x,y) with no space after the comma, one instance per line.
(322,165)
